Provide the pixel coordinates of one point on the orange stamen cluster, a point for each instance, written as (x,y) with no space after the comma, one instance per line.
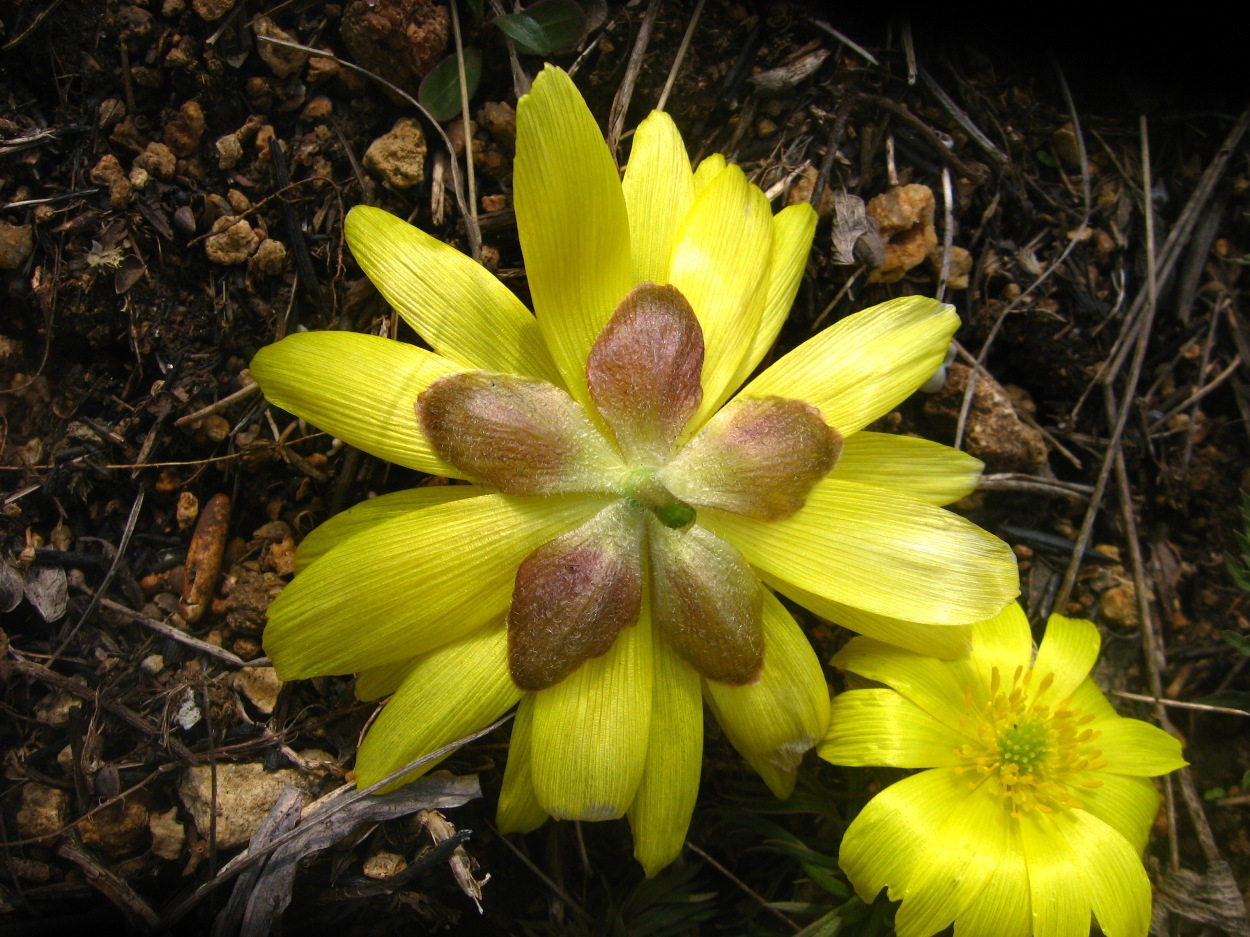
(1034,751)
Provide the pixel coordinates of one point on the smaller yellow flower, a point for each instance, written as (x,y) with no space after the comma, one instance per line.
(1037,804)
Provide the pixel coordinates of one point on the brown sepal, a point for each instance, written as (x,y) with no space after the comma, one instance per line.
(572,597)
(643,370)
(706,603)
(759,456)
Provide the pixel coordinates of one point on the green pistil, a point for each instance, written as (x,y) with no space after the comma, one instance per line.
(643,488)
(1025,745)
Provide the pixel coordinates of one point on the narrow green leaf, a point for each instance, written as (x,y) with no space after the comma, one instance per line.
(440,89)
(546,27)
(827,926)
(1238,640)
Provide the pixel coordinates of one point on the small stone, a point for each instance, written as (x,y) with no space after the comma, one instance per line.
(494,203)
(118,831)
(398,157)
(152,665)
(269,259)
(239,202)
(215,427)
(108,172)
(994,432)
(212,10)
(139,178)
(168,835)
(245,792)
(229,151)
(1119,604)
(184,132)
(110,112)
(319,108)
(960,268)
(499,120)
(232,242)
(282,60)
(383,865)
(765,128)
(158,159)
(248,595)
(187,510)
(260,685)
(321,68)
(44,811)
(53,709)
(905,216)
(401,40)
(184,221)
(16,243)
(172,8)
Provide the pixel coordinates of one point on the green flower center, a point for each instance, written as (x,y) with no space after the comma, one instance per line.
(1032,752)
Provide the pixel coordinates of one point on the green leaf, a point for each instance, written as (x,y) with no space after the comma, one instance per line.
(546,27)
(1238,640)
(440,89)
(827,926)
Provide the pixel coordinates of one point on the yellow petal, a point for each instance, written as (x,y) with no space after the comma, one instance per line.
(1111,868)
(1002,908)
(720,263)
(361,388)
(1089,699)
(925,470)
(1059,895)
(793,230)
(360,517)
(863,366)
(937,687)
(711,167)
(659,190)
(882,845)
(944,641)
(412,583)
(882,727)
(377,682)
(591,730)
(450,693)
(1137,748)
(781,717)
(662,808)
(956,865)
(1068,650)
(451,300)
(881,551)
(1003,641)
(519,810)
(571,220)
(1127,805)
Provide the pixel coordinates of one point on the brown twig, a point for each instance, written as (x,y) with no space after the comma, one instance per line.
(625,93)
(681,55)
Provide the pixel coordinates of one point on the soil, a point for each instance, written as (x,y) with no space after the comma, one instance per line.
(172,191)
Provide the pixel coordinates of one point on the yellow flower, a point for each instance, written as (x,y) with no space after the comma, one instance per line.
(611,564)
(1037,804)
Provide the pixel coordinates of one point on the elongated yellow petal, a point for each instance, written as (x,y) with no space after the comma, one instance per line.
(1127,805)
(659,190)
(880,727)
(793,230)
(344,613)
(451,300)
(571,220)
(711,167)
(720,262)
(925,470)
(519,810)
(1110,867)
(1003,641)
(882,844)
(863,366)
(785,713)
(660,814)
(361,388)
(935,686)
(1068,650)
(591,731)
(881,551)
(1060,897)
(450,693)
(360,517)
(377,682)
(1137,748)
(956,865)
(1002,909)
(944,641)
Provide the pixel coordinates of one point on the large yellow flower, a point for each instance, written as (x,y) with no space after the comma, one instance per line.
(1037,804)
(612,561)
